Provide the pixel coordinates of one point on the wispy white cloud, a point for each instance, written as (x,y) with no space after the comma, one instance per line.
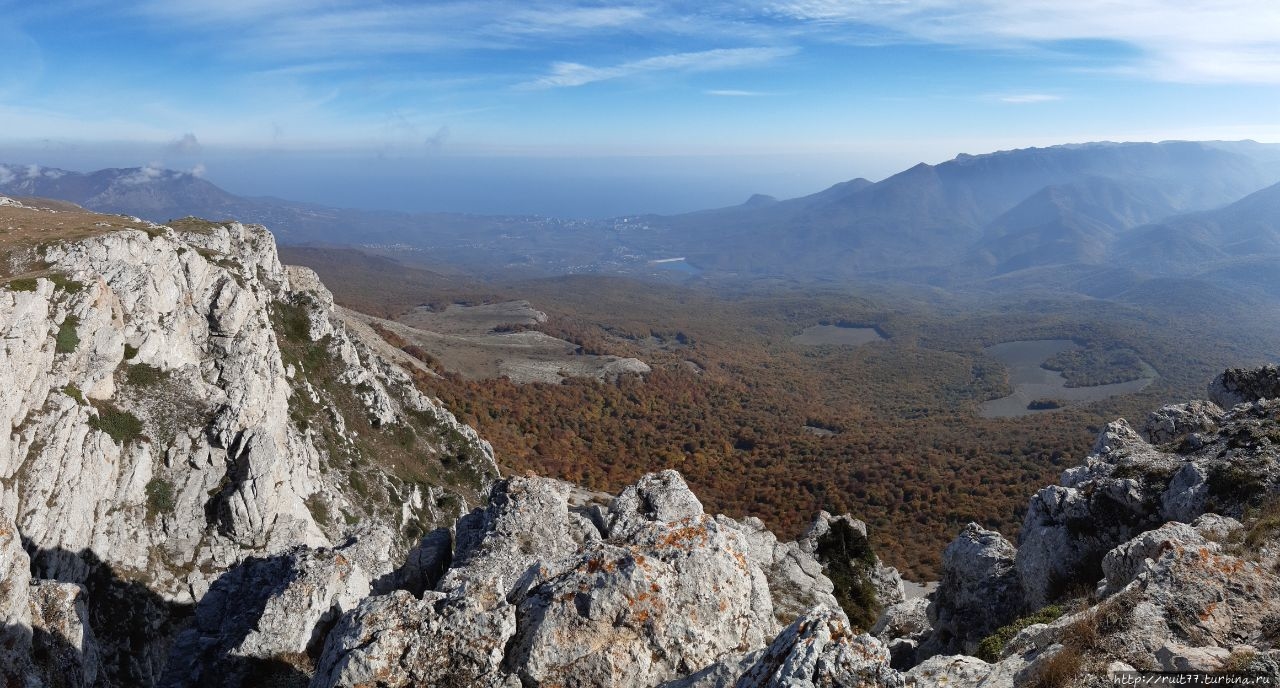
(187,144)
(1185,41)
(207,12)
(435,142)
(1028,98)
(543,21)
(150,171)
(1175,40)
(323,30)
(573,74)
(735,93)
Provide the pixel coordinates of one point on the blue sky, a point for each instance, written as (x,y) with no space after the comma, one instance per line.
(585,108)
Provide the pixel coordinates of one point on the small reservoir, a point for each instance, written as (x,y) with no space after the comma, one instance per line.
(1032,382)
(838,335)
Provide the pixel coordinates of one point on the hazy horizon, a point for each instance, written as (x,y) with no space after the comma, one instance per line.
(569,187)
(588,109)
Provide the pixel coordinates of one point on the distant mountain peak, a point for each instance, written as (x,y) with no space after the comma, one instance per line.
(758,200)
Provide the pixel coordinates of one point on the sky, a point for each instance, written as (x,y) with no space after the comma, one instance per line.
(586,109)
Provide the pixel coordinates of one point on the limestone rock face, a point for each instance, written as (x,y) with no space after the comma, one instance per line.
(795,577)
(819,650)
(945,671)
(1179,539)
(672,597)
(526,534)
(423,566)
(1198,595)
(63,641)
(1175,422)
(978,593)
(886,579)
(656,498)
(1128,487)
(1243,385)
(267,608)
(1127,560)
(177,401)
(397,640)
(539,594)
(903,627)
(15,607)
(1190,606)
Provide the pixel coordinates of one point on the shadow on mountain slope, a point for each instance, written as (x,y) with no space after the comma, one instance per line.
(131,632)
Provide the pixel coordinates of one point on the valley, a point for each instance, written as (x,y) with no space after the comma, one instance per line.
(660,344)
(848,350)
(495,340)
(888,427)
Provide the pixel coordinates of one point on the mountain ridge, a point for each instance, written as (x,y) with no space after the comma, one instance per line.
(942,219)
(190,497)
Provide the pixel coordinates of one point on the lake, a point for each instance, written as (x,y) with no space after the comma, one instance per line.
(819,335)
(1031,382)
(676,265)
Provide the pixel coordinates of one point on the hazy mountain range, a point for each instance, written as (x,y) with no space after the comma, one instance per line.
(1038,215)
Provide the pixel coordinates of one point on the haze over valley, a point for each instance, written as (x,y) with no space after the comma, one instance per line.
(657,344)
(1129,272)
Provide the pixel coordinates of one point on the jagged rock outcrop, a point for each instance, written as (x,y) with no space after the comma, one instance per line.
(62,638)
(15,605)
(903,627)
(948,670)
(886,580)
(1175,422)
(1127,561)
(1209,461)
(1243,385)
(273,607)
(795,577)
(1190,606)
(819,650)
(542,592)
(177,401)
(398,640)
(978,593)
(1176,531)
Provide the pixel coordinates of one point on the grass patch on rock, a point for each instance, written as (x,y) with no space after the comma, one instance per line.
(74,392)
(22,284)
(67,340)
(1261,525)
(196,225)
(1230,482)
(160,497)
(992,646)
(144,375)
(319,509)
(65,283)
(123,427)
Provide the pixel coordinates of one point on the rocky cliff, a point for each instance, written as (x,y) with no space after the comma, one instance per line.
(214,478)
(1158,553)
(178,403)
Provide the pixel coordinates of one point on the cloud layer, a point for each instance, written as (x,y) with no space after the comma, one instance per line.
(1176,40)
(574,74)
(1173,40)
